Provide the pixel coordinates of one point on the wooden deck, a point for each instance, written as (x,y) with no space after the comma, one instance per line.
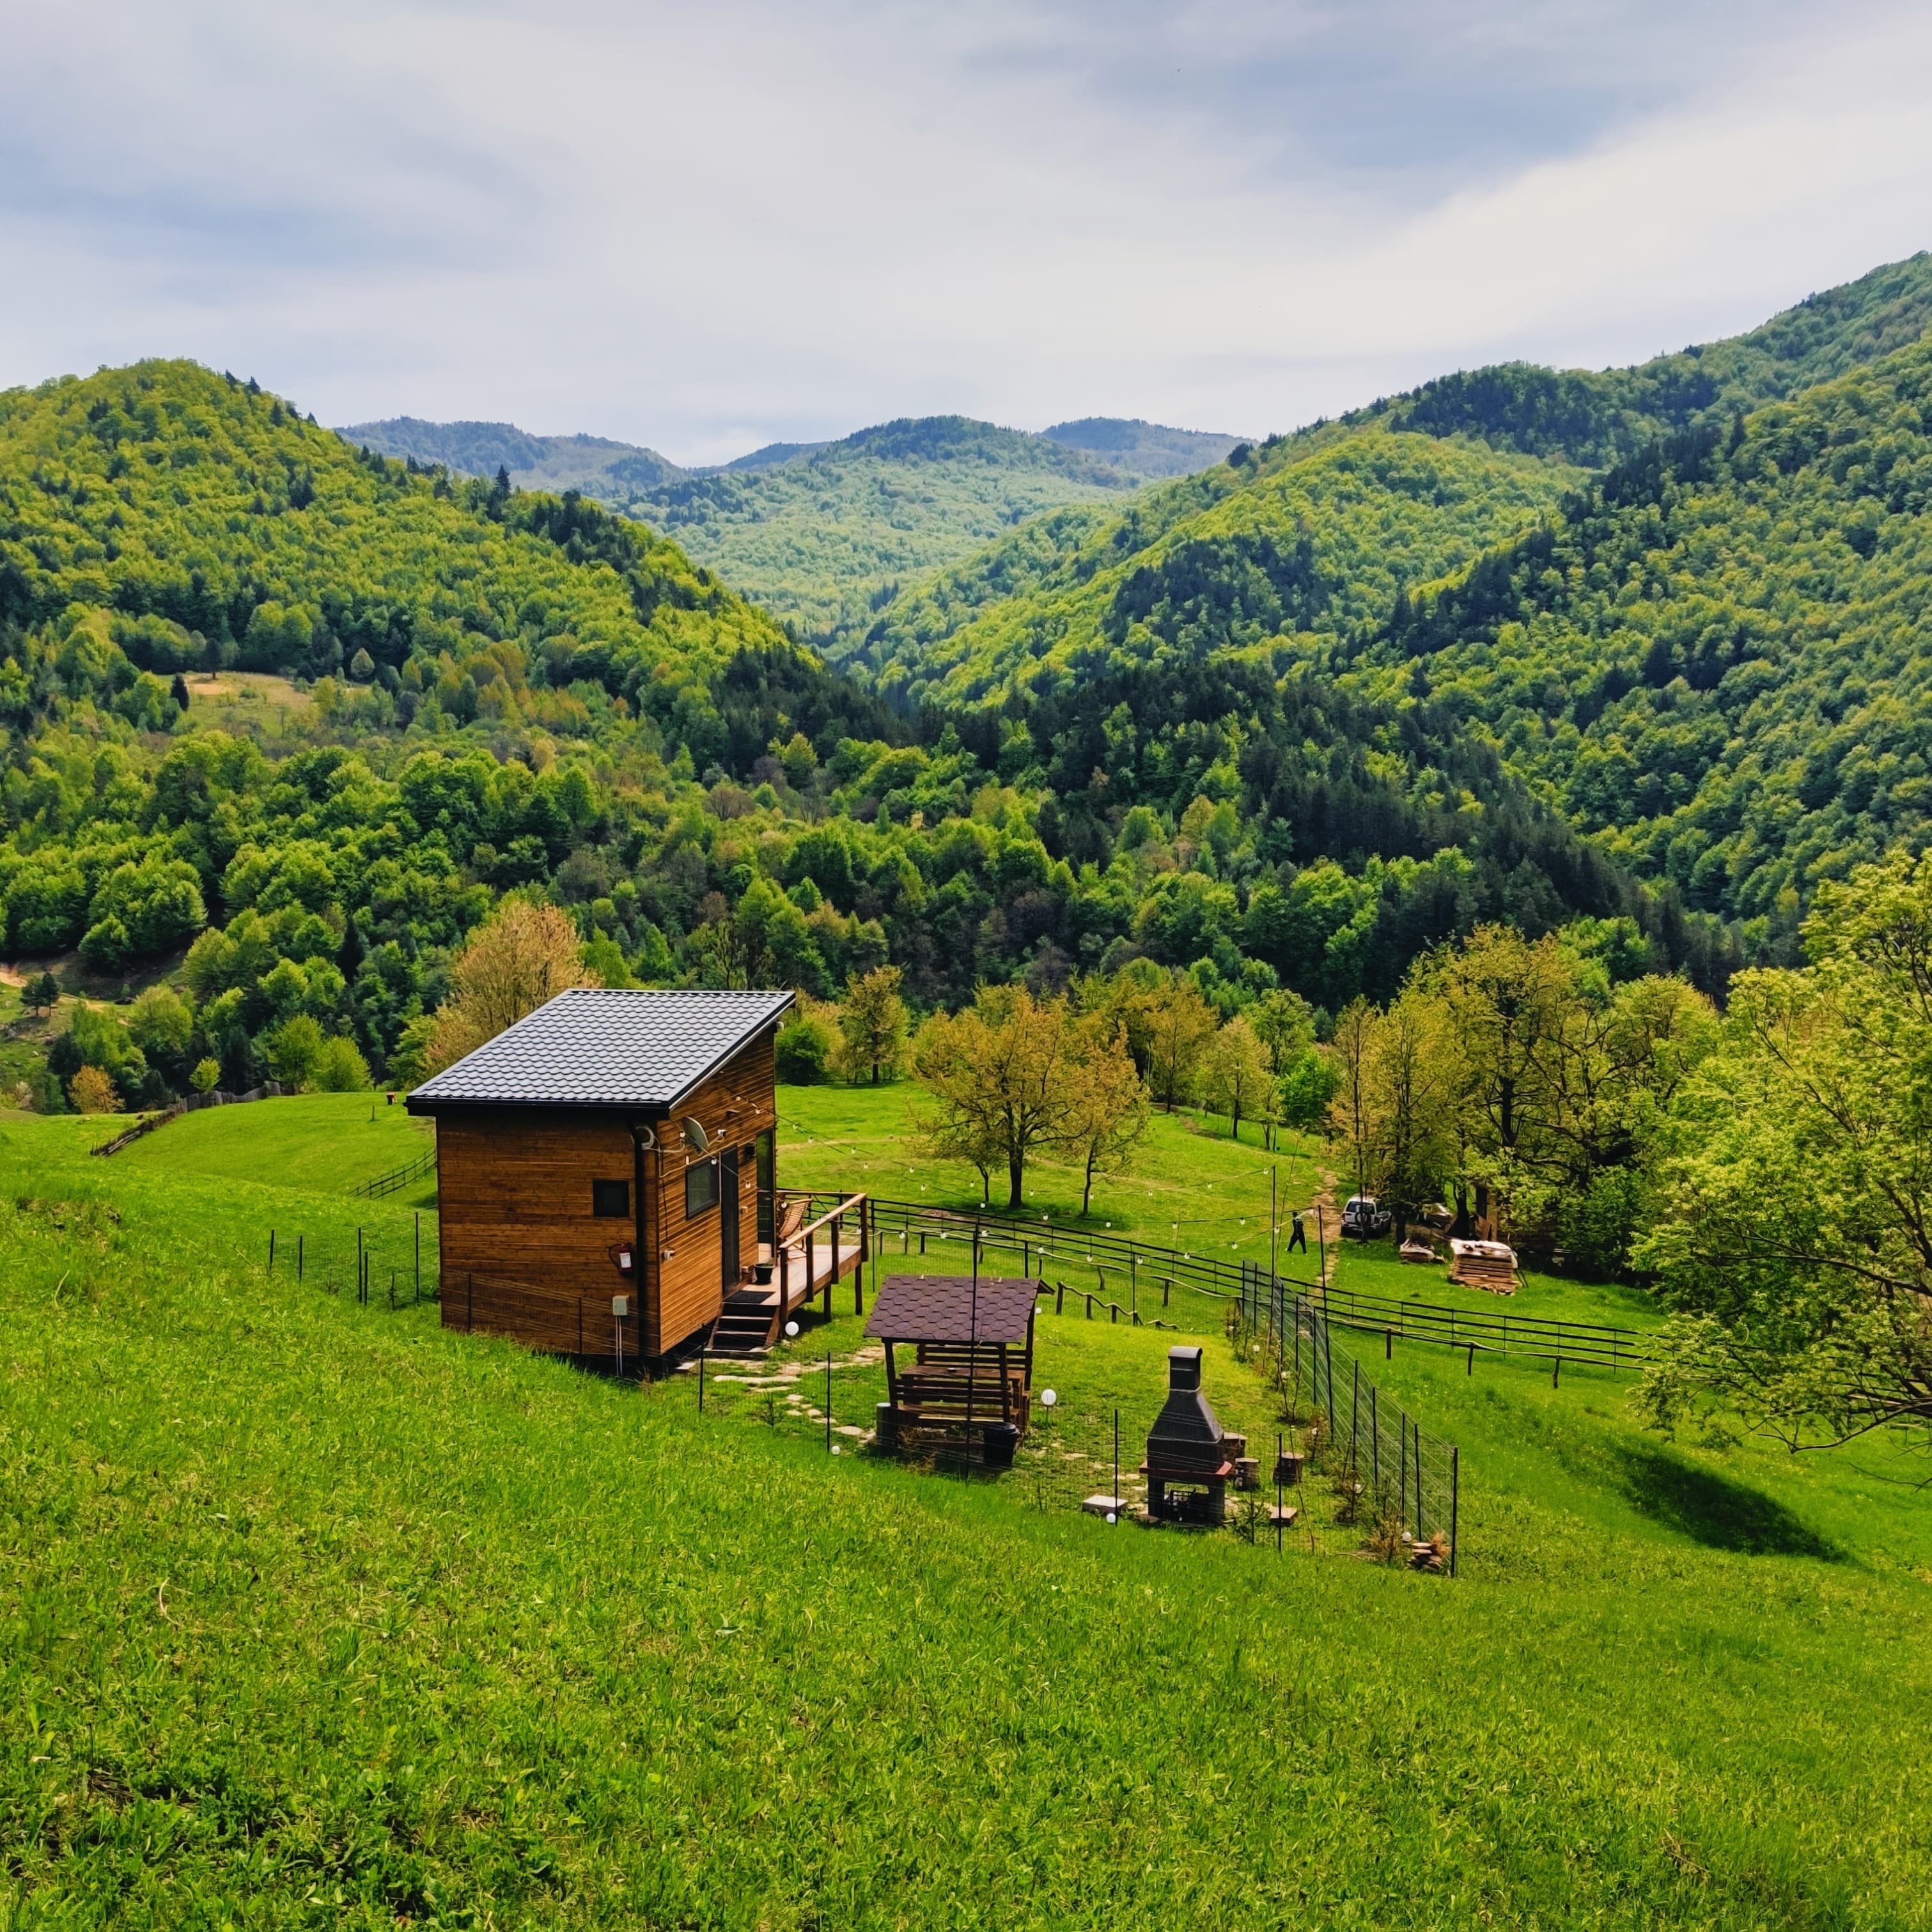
(793,1283)
(812,1257)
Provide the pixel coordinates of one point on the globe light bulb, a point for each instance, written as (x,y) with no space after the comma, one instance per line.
(1049,1397)
(791,1329)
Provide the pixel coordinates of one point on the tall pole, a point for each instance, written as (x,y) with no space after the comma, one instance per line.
(973,1348)
(1274,1218)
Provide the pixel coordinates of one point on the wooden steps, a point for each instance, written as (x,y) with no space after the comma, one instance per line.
(745,1324)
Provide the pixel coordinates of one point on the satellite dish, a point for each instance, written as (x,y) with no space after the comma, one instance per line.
(696,1139)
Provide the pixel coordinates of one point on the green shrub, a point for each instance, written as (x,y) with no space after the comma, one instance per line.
(806,1047)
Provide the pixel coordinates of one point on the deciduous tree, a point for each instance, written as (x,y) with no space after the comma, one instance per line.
(1411,1097)
(872,1022)
(526,955)
(92,1092)
(1235,1079)
(1109,1119)
(1175,1025)
(1796,1239)
(1351,1114)
(1001,1079)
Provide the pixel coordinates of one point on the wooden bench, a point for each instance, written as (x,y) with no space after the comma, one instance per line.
(936,1392)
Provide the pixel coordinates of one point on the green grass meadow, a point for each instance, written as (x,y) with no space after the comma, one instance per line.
(312,1614)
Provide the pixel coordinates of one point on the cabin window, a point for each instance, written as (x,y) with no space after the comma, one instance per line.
(701,1188)
(610,1200)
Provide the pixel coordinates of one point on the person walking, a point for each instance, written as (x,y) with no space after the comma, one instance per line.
(1298,1235)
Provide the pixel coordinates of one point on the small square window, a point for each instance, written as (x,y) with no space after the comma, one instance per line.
(701,1188)
(610,1199)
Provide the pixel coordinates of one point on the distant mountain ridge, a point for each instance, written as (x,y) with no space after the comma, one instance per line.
(534,462)
(824,533)
(1149,449)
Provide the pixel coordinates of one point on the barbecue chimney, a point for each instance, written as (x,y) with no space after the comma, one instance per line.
(1187,1446)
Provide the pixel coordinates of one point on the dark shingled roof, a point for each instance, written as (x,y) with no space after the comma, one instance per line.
(597,1046)
(941,1308)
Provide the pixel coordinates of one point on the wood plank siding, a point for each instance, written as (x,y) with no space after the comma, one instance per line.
(523,1252)
(735,1105)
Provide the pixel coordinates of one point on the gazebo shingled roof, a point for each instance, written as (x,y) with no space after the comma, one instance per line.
(943,1308)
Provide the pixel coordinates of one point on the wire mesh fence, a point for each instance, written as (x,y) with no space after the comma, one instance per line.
(1400,1482)
(385,1268)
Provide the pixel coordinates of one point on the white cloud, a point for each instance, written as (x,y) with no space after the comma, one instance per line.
(705,228)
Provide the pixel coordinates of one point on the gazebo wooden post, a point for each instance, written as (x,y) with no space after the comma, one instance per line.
(1005,1392)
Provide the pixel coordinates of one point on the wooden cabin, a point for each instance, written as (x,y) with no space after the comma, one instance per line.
(607,1178)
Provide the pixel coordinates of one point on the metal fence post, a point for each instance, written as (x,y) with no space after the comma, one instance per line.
(1455,1501)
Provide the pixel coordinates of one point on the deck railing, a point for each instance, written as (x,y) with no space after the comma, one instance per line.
(844,1209)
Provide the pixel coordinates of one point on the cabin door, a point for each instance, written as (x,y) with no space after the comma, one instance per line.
(728,1208)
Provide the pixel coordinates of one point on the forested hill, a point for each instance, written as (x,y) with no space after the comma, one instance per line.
(1719,659)
(824,539)
(162,517)
(474,690)
(821,534)
(1300,542)
(1142,449)
(1211,561)
(1602,417)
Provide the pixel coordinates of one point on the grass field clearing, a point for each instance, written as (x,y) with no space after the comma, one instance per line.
(318,1615)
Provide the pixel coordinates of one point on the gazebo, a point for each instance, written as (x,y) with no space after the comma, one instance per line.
(972,1365)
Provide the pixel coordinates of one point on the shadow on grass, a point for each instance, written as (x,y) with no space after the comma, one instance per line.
(1716,1511)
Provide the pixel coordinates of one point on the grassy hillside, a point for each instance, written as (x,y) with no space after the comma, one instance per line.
(317,1615)
(321,1143)
(1192,1188)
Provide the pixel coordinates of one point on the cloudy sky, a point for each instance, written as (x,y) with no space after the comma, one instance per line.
(706,226)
